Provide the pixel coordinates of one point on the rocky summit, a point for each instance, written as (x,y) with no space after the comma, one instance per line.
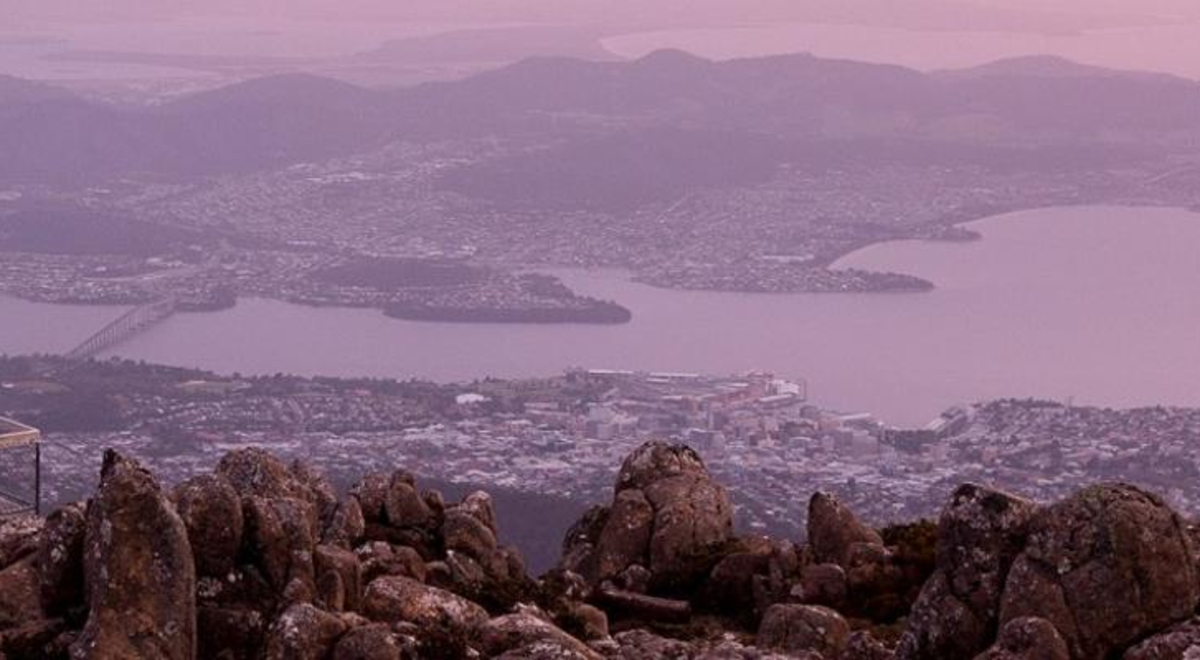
(262,559)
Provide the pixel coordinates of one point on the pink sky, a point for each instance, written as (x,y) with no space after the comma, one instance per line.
(1158,35)
(981,12)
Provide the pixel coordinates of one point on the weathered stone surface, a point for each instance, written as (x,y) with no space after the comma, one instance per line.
(795,628)
(668,515)
(339,567)
(823,584)
(211,510)
(1181,642)
(514,631)
(392,599)
(139,570)
(980,533)
(480,505)
(833,529)
(378,559)
(303,632)
(625,538)
(371,642)
(584,621)
(655,461)
(20,596)
(642,606)
(692,518)
(230,633)
(543,650)
(581,538)
(862,646)
(641,644)
(256,472)
(38,639)
(18,537)
(371,495)
(1027,638)
(403,506)
(465,533)
(60,560)
(279,538)
(730,587)
(1105,567)
(320,492)
(347,526)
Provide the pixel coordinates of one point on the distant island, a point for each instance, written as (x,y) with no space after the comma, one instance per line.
(590,311)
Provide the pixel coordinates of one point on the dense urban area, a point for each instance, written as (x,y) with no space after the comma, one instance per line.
(437,203)
(565,436)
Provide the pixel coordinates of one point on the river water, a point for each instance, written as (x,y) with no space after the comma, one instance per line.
(1097,304)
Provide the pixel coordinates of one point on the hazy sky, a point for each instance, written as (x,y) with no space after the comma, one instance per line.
(1159,35)
(982,13)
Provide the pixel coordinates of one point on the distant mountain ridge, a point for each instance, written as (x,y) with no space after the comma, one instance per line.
(51,135)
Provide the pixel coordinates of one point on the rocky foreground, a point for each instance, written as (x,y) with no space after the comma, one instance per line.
(263,560)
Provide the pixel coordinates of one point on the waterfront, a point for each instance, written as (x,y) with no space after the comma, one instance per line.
(1097,303)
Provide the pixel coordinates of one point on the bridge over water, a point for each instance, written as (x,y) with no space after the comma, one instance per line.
(129,325)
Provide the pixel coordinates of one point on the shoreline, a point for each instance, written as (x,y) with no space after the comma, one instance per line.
(915,285)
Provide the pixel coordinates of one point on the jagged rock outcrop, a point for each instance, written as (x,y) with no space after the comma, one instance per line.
(798,628)
(834,530)
(390,572)
(60,560)
(1180,642)
(369,642)
(668,516)
(303,632)
(1027,638)
(1106,567)
(980,533)
(139,570)
(211,510)
(396,599)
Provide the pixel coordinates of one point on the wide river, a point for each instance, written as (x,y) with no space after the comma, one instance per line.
(1097,304)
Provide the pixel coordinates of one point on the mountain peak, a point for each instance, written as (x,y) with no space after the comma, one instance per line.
(1045,66)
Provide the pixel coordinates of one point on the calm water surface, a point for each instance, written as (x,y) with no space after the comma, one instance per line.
(1099,304)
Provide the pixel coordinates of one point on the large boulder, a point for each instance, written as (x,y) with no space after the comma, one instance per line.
(1027,638)
(303,632)
(139,570)
(19,594)
(798,628)
(18,537)
(392,599)
(256,472)
(980,533)
(1181,642)
(403,506)
(833,530)
(211,510)
(465,533)
(231,633)
(668,513)
(515,631)
(347,526)
(339,577)
(371,494)
(692,518)
(480,505)
(371,642)
(625,537)
(280,540)
(655,461)
(60,560)
(1106,567)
